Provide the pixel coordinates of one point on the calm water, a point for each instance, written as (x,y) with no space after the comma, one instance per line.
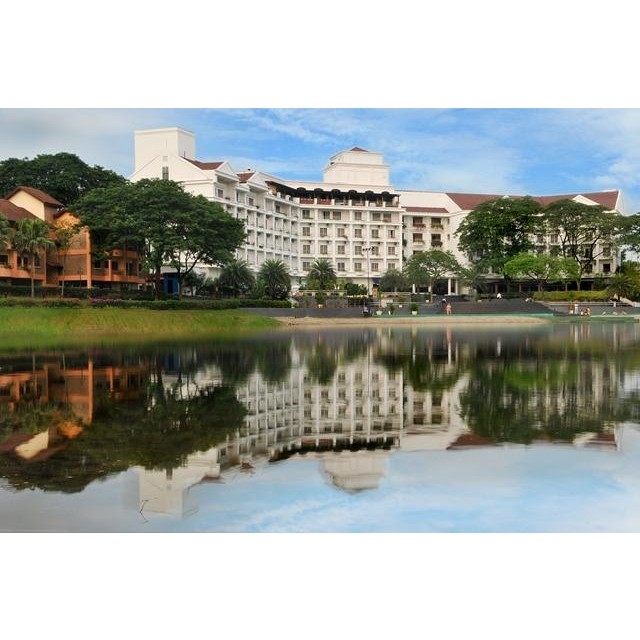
(382,430)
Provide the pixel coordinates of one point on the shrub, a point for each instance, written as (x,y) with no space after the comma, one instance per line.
(571,296)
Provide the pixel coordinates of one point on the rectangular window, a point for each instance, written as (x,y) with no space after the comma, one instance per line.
(357,233)
(306,266)
(357,266)
(357,250)
(306,231)
(165,173)
(417,237)
(357,215)
(374,266)
(324,249)
(391,265)
(323,232)
(341,250)
(375,233)
(326,215)
(341,233)
(306,249)
(4,259)
(391,233)
(386,217)
(220,193)
(341,266)
(114,265)
(306,214)
(337,215)
(391,251)
(375,217)
(374,251)
(606,268)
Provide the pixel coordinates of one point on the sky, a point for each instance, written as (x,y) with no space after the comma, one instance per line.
(518,151)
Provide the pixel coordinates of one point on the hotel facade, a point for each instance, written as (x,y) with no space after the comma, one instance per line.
(354,217)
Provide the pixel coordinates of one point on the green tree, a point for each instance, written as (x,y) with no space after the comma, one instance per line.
(322,275)
(63,235)
(274,280)
(32,238)
(62,175)
(626,282)
(498,230)
(630,232)
(164,222)
(425,268)
(568,271)
(236,279)
(583,230)
(5,231)
(538,268)
(393,280)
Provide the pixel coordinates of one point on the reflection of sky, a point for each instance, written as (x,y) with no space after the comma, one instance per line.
(508,489)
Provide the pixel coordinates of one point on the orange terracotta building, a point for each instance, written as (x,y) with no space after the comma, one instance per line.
(75,266)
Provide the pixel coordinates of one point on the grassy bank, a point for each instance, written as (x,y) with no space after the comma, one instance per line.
(27,327)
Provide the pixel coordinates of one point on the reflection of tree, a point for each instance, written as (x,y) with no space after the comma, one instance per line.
(156,428)
(531,395)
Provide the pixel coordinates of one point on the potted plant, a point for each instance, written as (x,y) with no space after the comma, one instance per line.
(414,308)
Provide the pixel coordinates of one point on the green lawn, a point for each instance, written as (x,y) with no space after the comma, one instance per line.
(23,327)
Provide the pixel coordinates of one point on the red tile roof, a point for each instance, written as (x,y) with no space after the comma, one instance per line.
(207,166)
(469,201)
(245,175)
(471,440)
(13,212)
(43,196)
(426,209)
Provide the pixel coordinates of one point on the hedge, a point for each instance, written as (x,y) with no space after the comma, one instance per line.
(572,296)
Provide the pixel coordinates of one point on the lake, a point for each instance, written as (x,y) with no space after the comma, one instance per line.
(390,429)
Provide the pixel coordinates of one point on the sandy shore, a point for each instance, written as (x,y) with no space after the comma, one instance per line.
(438,320)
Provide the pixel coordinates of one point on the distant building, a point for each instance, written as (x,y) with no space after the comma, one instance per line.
(354,217)
(76,266)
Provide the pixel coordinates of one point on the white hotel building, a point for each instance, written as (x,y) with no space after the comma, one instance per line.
(355,218)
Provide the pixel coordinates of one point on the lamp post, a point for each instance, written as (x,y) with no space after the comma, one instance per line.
(366,251)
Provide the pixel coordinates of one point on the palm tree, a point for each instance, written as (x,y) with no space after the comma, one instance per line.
(32,237)
(236,278)
(274,279)
(63,236)
(322,274)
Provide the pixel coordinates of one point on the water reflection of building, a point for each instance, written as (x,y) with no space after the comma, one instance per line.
(62,398)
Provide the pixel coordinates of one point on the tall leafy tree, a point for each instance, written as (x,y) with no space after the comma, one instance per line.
(425,268)
(274,280)
(32,238)
(164,222)
(393,280)
(583,230)
(322,275)
(538,268)
(236,278)
(5,232)
(63,175)
(498,230)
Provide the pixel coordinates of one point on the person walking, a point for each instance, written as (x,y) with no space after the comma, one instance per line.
(448,308)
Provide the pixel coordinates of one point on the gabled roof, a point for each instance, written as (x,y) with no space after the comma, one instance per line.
(358,149)
(426,210)
(38,194)
(207,166)
(469,201)
(13,212)
(245,176)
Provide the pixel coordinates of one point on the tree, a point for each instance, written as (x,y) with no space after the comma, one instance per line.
(393,280)
(539,268)
(583,230)
(626,282)
(62,175)
(31,238)
(236,279)
(274,280)
(568,271)
(64,233)
(162,221)
(322,275)
(498,230)
(5,231)
(425,268)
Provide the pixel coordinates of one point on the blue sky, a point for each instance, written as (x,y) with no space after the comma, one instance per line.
(533,151)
